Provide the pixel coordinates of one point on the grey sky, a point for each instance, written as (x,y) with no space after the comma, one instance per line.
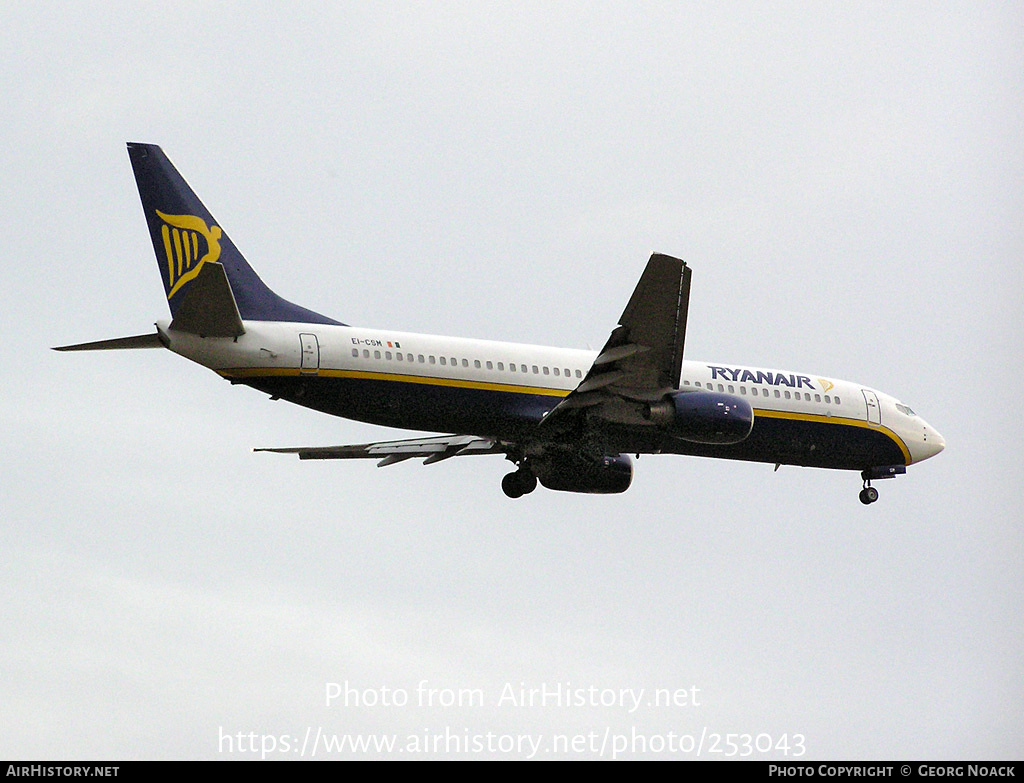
(844,179)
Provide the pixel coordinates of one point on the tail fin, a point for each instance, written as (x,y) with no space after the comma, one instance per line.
(209,285)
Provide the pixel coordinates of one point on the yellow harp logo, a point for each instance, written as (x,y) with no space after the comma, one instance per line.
(181,234)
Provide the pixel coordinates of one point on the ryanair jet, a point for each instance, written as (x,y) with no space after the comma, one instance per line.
(567,419)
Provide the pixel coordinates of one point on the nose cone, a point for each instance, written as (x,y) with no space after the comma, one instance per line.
(931,443)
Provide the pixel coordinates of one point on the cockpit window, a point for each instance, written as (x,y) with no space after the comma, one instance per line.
(905,409)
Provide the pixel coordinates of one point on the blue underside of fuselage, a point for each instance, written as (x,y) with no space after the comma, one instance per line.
(514,416)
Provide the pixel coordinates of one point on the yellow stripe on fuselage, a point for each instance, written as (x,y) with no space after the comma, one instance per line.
(284,372)
(455,383)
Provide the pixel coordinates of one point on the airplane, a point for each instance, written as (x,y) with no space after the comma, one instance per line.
(567,419)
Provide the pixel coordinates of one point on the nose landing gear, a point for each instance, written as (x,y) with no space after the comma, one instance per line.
(869,494)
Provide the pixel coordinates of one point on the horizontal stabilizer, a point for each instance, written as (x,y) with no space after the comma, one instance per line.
(209,308)
(117,344)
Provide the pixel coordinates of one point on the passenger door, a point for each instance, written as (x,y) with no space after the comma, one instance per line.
(310,363)
(874,410)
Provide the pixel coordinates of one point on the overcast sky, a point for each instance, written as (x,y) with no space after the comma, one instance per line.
(846,181)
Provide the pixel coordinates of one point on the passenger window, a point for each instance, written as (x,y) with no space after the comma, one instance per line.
(732,389)
(490,366)
(817,398)
(807,396)
(355,352)
(828,400)
(777,394)
(787,394)
(512,368)
(465,362)
(420,358)
(387,355)
(376,354)
(556,371)
(535,370)
(579,374)
(838,402)
(522,368)
(501,366)
(444,361)
(546,371)
(408,357)
(398,356)
(743,389)
(567,373)
(721,388)
(697,384)
(366,353)
(476,363)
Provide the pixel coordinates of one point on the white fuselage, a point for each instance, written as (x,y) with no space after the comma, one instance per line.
(324,351)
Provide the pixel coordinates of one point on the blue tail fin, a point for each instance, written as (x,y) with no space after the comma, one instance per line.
(186,239)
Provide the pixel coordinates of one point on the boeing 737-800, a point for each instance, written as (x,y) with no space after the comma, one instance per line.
(566,418)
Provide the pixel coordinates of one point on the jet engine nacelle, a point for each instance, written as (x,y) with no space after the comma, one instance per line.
(703,417)
(606,476)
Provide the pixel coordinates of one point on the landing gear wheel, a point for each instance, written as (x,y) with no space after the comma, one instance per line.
(868,495)
(510,486)
(527,481)
(519,483)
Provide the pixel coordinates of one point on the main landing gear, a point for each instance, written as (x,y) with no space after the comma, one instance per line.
(518,483)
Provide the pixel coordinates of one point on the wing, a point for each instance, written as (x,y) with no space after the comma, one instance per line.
(639,363)
(434,449)
(642,358)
